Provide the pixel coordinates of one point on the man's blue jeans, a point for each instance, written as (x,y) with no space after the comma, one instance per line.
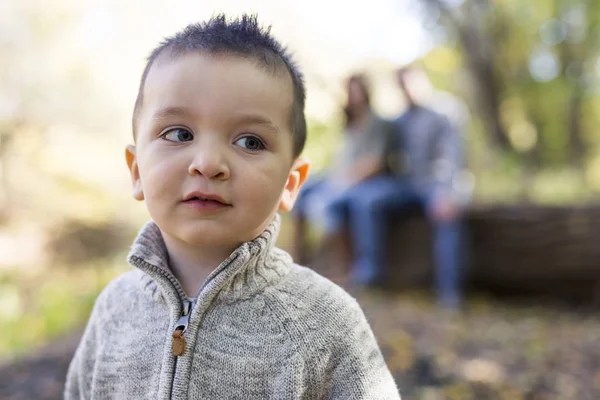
(369,206)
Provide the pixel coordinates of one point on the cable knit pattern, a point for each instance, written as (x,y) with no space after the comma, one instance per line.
(261,328)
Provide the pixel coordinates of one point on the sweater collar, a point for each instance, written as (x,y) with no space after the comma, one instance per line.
(252,267)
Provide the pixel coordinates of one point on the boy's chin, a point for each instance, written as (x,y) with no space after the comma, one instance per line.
(212,233)
(212,239)
(225,238)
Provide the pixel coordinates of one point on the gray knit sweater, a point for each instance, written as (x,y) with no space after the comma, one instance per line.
(260,328)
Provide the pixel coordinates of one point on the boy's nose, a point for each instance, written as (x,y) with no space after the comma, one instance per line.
(209,163)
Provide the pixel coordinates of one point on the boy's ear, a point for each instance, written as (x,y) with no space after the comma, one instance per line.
(130,156)
(296,178)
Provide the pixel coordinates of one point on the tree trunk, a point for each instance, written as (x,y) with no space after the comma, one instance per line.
(479,54)
(577,151)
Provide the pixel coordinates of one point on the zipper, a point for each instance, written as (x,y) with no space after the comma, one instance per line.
(186,305)
(179,344)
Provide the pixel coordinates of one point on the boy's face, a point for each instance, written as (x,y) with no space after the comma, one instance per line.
(213,157)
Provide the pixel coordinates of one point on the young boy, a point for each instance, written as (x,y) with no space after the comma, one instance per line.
(214,310)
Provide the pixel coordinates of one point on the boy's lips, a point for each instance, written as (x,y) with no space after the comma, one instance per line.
(205,196)
(205,201)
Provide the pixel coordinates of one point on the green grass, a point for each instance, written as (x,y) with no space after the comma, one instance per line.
(37,308)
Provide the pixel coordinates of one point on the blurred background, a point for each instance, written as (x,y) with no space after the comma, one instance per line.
(521,76)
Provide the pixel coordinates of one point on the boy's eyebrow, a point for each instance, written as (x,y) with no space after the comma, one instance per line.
(243,119)
(258,120)
(172,112)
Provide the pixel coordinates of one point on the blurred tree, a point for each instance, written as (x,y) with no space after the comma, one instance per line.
(45,82)
(534,65)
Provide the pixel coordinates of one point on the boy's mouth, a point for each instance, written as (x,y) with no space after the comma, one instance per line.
(200,198)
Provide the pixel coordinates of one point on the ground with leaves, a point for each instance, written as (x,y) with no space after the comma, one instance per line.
(492,350)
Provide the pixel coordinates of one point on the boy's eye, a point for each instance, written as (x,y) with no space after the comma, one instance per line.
(178,135)
(250,143)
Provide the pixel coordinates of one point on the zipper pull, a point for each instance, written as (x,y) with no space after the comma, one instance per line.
(178,346)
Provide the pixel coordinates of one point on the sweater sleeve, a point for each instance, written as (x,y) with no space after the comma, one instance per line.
(81,370)
(449,158)
(359,370)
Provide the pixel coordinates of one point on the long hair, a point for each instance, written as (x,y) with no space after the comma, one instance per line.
(349,111)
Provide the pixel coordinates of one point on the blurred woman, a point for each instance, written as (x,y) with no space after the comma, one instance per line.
(366,142)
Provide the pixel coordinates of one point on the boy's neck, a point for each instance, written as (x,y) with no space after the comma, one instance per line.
(191,265)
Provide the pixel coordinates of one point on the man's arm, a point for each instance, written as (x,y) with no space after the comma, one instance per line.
(449,192)
(449,153)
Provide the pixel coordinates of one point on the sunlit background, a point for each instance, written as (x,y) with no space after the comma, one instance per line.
(522,76)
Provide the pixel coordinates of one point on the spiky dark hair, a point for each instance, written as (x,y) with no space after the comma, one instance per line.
(243,37)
